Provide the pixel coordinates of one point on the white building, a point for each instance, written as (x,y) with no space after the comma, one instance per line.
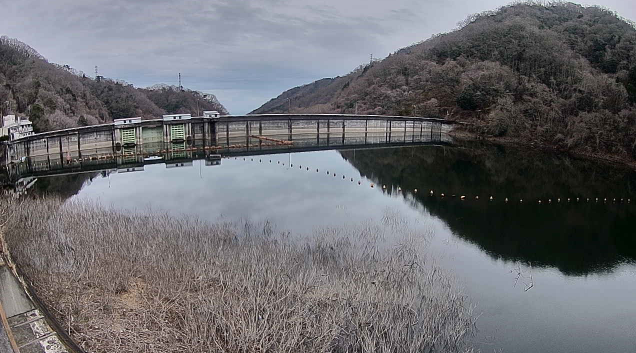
(171,117)
(16,127)
(211,114)
(126,121)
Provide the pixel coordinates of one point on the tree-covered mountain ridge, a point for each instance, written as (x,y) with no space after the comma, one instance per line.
(58,96)
(557,74)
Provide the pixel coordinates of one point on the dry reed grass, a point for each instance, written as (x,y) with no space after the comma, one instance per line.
(153,283)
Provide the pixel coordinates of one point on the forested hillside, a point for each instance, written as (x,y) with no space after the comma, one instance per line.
(56,96)
(172,99)
(561,75)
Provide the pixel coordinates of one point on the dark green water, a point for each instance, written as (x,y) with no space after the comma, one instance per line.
(555,276)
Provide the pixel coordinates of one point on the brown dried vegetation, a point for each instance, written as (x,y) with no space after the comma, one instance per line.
(150,282)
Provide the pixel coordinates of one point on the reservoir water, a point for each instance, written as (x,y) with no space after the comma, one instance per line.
(549,262)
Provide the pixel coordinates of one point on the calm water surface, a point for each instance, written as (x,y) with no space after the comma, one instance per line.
(549,277)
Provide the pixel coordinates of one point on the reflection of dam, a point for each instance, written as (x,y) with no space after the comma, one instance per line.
(128,146)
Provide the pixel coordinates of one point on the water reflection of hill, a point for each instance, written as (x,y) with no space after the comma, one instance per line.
(63,186)
(577,238)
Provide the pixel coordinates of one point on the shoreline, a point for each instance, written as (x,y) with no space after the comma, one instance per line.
(613,160)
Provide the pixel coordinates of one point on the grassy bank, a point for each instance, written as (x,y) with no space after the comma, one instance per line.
(152,283)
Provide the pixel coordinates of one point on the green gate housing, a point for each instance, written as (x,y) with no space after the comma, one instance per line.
(128,136)
(178,150)
(177,132)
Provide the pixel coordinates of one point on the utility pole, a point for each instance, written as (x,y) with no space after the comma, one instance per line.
(289,106)
(180,89)
(371,60)
(356,108)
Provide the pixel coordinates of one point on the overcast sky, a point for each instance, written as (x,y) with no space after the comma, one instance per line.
(245,52)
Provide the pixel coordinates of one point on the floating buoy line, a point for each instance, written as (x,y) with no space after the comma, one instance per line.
(549,201)
(465,198)
(432,193)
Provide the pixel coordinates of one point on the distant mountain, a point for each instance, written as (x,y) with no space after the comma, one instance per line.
(310,96)
(560,75)
(57,96)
